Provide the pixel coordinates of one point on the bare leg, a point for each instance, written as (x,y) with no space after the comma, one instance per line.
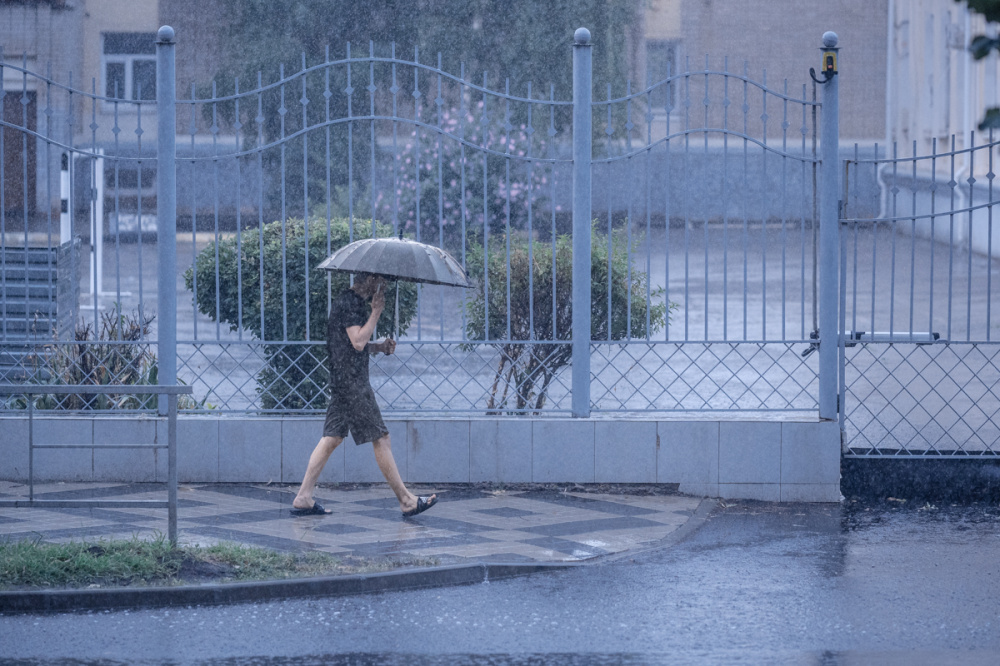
(387,463)
(317,460)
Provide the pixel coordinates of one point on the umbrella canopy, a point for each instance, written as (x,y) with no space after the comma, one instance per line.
(398,259)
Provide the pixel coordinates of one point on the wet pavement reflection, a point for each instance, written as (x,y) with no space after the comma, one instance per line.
(863,582)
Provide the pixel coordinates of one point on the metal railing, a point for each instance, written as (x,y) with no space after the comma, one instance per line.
(700,220)
(169,392)
(730,168)
(919,360)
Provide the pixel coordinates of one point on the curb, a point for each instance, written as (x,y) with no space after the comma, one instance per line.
(49,601)
(52,601)
(697,519)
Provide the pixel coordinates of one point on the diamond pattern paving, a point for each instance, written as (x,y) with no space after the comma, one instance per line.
(466,525)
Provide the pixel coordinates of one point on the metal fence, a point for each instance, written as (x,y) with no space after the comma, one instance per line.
(664,257)
(738,274)
(920,363)
(27,396)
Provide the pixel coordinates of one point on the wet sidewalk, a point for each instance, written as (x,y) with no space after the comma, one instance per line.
(469,524)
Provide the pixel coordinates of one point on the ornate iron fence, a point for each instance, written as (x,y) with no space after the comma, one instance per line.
(719,211)
(695,222)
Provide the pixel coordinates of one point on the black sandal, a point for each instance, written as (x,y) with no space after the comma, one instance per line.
(315,510)
(423,503)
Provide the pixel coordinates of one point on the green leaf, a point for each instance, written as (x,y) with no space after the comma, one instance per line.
(990,9)
(991,120)
(981,45)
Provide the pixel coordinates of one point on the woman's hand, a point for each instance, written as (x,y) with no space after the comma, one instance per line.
(387,347)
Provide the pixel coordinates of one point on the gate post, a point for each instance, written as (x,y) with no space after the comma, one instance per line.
(829,233)
(582,147)
(166,212)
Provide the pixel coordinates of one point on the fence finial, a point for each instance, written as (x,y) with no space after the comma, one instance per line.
(165,35)
(830,39)
(582,36)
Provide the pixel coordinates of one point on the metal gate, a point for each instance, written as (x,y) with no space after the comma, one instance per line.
(668,256)
(919,362)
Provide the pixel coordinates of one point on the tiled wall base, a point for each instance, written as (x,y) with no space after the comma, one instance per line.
(766,460)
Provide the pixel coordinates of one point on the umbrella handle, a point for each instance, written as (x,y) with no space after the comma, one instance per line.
(395,312)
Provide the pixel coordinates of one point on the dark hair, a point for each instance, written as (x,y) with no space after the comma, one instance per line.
(362,276)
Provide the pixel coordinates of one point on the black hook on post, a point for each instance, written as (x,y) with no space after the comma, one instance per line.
(826,76)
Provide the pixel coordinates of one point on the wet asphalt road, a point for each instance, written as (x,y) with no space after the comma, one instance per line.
(778,584)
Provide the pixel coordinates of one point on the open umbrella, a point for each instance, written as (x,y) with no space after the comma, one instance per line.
(398,259)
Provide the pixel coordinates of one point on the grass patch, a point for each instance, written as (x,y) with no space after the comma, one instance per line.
(136,562)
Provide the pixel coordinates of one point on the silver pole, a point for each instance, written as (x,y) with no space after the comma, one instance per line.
(166,211)
(829,244)
(172,468)
(582,140)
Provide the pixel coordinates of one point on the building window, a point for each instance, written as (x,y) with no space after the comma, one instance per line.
(129,60)
(661,63)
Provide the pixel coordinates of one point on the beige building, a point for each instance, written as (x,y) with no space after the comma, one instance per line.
(779,39)
(905,72)
(105,47)
(935,87)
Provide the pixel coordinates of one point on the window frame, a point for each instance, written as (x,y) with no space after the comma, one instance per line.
(671,47)
(125,99)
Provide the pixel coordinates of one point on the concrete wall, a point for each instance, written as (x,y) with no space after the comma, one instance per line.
(763,460)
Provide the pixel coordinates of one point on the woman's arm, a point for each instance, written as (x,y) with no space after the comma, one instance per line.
(360,335)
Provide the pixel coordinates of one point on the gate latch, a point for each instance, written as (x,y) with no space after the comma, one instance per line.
(812,346)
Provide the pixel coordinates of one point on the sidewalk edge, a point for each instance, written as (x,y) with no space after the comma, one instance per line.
(695,521)
(50,601)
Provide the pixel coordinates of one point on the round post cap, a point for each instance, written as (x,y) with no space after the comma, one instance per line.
(165,35)
(581,36)
(830,39)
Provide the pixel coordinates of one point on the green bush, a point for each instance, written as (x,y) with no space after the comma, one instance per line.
(116,352)
(522,378)
(295,375)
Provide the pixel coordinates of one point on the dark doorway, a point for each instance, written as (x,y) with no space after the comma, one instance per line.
(18,192)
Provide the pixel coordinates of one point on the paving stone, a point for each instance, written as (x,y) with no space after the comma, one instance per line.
(465,525)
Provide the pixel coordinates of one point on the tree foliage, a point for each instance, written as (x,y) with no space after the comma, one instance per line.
(538,341)
(258,282)
(519,41)
(523,40)
(982,45)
